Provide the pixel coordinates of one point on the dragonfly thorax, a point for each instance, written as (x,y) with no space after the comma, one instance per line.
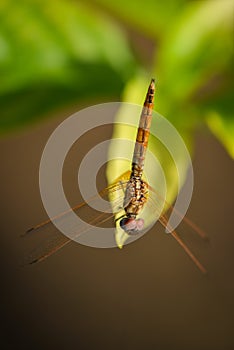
(135,197)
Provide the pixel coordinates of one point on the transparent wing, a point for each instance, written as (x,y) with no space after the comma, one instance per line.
(158,198)
(157,205)
(174,234)
(52,240)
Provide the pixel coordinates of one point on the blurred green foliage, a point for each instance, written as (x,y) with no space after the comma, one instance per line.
(56,53)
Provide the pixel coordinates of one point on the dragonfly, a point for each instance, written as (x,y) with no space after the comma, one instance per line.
(133,193)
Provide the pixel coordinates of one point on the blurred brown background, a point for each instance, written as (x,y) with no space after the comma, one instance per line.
(148,295)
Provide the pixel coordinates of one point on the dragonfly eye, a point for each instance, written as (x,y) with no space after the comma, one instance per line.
(132,226)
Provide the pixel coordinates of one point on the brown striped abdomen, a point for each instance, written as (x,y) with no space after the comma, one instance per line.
(143,133)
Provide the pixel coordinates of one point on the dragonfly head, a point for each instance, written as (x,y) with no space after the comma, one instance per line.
(132,226)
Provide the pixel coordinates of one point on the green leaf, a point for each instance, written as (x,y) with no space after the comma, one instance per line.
(194,65)
(165,172)
(135,93)
(153,18)
(219,117)
(200,44)
(223,129)
(56,53)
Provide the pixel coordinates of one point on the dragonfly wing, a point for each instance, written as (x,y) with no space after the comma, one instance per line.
(53,240)
(47,248)
(174,234)
(157,207)
(158,198)
(57,240)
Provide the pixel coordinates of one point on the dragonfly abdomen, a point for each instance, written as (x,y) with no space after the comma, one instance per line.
(143,132)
